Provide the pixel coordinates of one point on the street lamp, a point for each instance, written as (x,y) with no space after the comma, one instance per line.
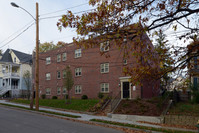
(37,52)
(15,5)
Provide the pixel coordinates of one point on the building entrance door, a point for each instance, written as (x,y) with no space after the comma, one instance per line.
(125,90)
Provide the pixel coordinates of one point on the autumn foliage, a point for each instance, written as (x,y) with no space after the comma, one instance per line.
(131,20)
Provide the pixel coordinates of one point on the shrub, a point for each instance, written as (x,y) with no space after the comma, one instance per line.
(84,97)
(54,97)
(43,96)
(195,97)
(100,95)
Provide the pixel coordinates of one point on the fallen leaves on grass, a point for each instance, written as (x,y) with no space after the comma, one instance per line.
(167,125)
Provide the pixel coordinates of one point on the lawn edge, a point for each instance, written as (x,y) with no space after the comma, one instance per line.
(42,111)
(61,109)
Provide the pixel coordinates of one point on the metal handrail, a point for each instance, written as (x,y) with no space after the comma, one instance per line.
(107,100)
(115,101)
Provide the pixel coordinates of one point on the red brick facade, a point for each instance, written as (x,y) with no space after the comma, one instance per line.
(91,78)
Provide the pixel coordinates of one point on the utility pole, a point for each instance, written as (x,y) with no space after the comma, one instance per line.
(37,59)
(37,52)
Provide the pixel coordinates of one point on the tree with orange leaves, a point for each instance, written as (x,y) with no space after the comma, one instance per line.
(110,17)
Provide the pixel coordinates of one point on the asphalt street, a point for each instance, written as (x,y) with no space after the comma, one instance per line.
(19,121)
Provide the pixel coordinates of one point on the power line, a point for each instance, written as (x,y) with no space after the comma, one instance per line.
(62,15)
(17,36)
(63,9)
(15,32)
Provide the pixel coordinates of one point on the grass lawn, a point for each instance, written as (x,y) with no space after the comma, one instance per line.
(185,109)
(76,104)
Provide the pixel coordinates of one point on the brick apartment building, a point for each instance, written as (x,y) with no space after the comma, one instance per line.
(92,73)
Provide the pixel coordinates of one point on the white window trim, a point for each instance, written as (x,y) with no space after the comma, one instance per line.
(78,71)
(104,46)
(59,58)
(48,77)
(64,71)
(79,87)
(104,68)
(48,60)
(78,53)
(103,85)
(49,91)
(63,90)
(58,90)
(59,74)
(64,59)
(125,62)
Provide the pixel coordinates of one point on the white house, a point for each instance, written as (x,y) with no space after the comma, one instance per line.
(13,65)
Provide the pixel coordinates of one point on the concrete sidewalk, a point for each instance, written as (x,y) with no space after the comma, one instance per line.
(88,117)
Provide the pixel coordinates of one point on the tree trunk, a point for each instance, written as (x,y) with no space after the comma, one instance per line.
(68,99)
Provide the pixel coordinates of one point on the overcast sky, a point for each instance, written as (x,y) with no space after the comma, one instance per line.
(14,21)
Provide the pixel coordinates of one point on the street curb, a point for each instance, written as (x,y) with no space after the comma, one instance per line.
(95,123)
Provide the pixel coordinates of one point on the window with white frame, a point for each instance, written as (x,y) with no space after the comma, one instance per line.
(58,74)
(48,60)
(104,68)
(78,72)
(78,89)
(64,90)
(47,76)
(58,90)
(104,46)
(48,91)
(78,53)
(58,57)
(64,57)
(104,87)
(64,73)
(124,61)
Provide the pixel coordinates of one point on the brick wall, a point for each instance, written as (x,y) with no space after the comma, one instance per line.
(91,77)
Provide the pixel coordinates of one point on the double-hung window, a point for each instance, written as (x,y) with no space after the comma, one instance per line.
(64,57)
(124,61)
(47,76)
(64,73)
(48,91)
(58,57)
(104,87)
(78,72)
(48,60)
(78,53)
(64,90)
(58,90)
(104,68)
(78,89)
(58,74)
